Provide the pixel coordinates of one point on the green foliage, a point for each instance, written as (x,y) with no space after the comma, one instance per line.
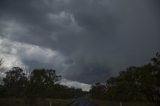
(134,84)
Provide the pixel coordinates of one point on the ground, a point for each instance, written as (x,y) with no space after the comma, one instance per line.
(69,102)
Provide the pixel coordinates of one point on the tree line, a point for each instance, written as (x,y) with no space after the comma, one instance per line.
(40,83)
(134,84)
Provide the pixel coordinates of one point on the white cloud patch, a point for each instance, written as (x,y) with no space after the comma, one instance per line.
(23,55)
(75,84)
(8,55)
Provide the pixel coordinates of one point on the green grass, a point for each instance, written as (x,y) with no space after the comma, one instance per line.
(111,103)
(38,102)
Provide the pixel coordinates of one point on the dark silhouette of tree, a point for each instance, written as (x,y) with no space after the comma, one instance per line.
(126,86)
(2,89)
(42,80)
(98,91)
(137,83)
(15,82)
(134,84)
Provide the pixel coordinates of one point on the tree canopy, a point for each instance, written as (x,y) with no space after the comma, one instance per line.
(134,84)
(39,83)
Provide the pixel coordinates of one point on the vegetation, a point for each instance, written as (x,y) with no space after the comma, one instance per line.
(135,84)
(41,83)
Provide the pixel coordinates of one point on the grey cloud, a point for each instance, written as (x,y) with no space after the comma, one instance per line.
(98,38)
(30,56)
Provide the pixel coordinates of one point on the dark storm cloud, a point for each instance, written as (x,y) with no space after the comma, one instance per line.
(97,37)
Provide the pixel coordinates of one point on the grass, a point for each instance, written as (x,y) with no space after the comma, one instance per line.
(38,102)
(111,103)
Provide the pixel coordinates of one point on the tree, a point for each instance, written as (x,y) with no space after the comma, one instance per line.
(126,86)
(1,71)
(137,83)
(42,80)
(98,91)
(15,82)
(155,62)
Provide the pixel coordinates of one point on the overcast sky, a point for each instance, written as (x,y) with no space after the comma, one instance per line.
(84,40)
